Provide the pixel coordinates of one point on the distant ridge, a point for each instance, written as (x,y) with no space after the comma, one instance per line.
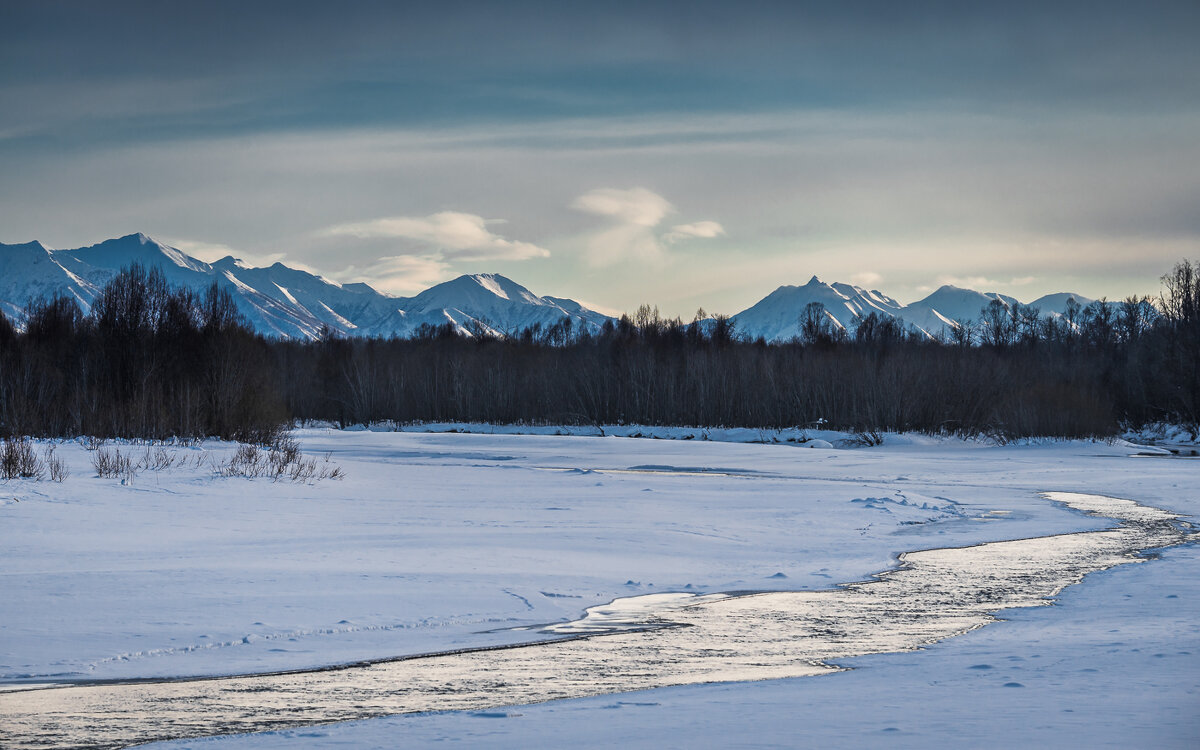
(285,302)
(777,316)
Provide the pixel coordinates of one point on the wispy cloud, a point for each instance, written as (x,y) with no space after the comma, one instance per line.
(427,248)
(635,214)
(983,283)
(637,206)
(909,197)
(699,229)
(866,278)
(634,235)
(210,252)
(978,283)
(453,235)
(399,274)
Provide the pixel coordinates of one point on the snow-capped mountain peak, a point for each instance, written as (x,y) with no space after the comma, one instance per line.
(492,301)
(279,300)
(135,248)
(777,316)
(282,301)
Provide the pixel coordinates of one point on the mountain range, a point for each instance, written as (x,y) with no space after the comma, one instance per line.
(285,302)
(280,301)
(777,316)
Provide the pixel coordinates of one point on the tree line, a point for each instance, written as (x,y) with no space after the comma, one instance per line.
(149,360)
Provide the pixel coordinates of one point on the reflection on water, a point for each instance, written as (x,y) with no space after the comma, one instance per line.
(631,644)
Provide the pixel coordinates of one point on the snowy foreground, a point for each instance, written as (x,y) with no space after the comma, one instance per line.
(443,541)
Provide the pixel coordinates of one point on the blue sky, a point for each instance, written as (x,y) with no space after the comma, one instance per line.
(682,154)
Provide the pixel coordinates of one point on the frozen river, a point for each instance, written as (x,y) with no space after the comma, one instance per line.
(437,543)
(632,644)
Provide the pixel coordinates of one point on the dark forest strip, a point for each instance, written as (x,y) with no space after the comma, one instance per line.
(158,362)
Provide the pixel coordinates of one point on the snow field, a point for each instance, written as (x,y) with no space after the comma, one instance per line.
(439,541)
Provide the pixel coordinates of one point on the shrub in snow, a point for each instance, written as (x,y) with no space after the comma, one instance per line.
(282,460)
(55,465)
(865,439)
(19,461)
(157,459)
(109,462)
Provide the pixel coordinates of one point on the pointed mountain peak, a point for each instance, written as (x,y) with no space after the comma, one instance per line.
(814,281)
(137,238)
(134,248)
(290,302)
(491,284)
(230,262)
(951,292)
(31,246)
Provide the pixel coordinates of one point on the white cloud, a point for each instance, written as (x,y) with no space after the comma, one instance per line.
(866,278)
(978,283)
(699,229)
(991,197)
(624,242)
(633,235)
(399,274)
(637,206)
(453,234)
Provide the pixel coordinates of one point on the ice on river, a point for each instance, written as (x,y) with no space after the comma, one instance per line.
(437,542)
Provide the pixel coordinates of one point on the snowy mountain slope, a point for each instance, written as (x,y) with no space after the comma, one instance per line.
(498,304)
(280,301)
(577,310)
(873,298)
(99,263)
(1055,304)
(955,303)
(137,248)
(941,311)
(344,308)
(286,302)
(30,271)
(777,316)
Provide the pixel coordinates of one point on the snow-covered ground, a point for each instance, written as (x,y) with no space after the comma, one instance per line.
(440,541)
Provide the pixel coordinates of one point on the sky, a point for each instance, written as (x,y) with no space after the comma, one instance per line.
(682,154)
